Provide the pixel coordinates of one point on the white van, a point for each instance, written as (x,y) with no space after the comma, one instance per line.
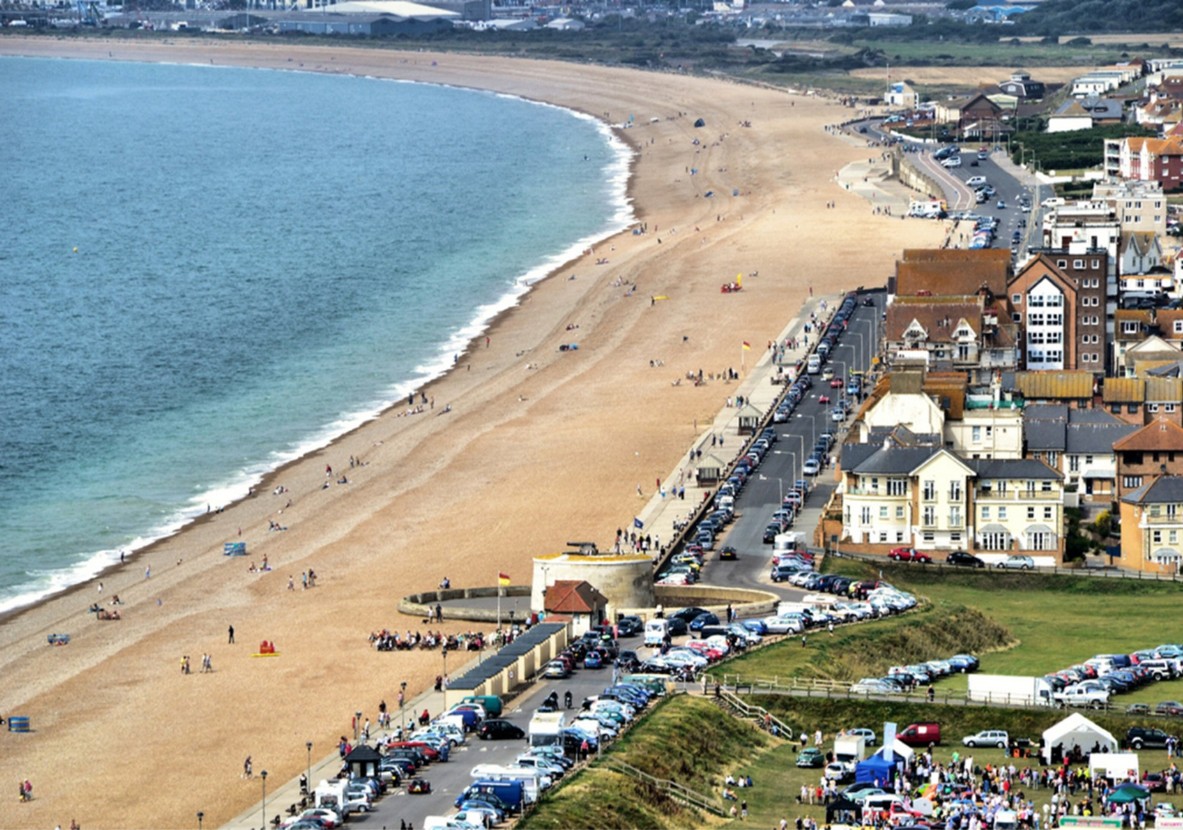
(656,631)
(814,365)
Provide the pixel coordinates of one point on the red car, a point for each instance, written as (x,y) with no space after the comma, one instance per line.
(836,383)
(909,555)
(823,398)
(419,786)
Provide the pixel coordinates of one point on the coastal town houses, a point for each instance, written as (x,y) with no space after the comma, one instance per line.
(1078,443)
(1152,526)
(917,408)
(931,499)
(1162,104)
(1153,450)
(1139,400)
(1150,160)
(1077,389)
(948,310)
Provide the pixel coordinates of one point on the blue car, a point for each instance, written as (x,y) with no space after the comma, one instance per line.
(757,626)
(703,619)
(593,660)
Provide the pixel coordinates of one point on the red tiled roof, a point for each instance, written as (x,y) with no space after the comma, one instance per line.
(1160,434)
(572,596)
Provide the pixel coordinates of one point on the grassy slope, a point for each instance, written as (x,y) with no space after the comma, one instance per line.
(687,740)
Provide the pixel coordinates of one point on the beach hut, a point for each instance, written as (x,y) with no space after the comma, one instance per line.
(709,469)
(363,762)
(749,419)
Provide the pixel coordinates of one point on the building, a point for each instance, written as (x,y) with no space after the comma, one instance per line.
(1151,160)
(1155,449)
(1018,505)
(1140,206)
(975,117)
(931,499)
(1045,307)
(1084,114)
(1075,389)
(973,334)
(584,605)
(1140,267)
(1077,443)
(1022,87)
(901,94)
(1152,526)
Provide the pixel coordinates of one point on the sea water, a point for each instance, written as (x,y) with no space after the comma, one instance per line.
(206,272)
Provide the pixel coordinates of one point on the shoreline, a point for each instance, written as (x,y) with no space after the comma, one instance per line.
(541,446)
(619,176)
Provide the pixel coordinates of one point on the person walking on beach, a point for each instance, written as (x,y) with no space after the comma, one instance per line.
(231,635)
(246,768)
(148,572)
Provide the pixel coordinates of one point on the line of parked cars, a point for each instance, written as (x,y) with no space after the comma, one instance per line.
(1093,682)
(900,679)
(860,601)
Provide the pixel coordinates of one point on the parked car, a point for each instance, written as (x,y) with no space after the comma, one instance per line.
(1172,708)
(988,737)
(868,735)
(811,756)
(909,555)
(963,559)
(1142,736)
(1017,563)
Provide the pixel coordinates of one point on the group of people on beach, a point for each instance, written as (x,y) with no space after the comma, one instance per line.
(386,640)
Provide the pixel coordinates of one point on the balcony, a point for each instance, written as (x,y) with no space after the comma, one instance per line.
(1012,496)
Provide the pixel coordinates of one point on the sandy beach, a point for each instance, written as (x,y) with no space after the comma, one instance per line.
(539,447)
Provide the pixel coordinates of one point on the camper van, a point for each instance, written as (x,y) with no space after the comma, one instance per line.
(656,631)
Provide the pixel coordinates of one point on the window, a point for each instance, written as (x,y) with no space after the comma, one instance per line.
(1045,487)
(1031,513)
(897,487)
(985,513)
(882,536)
(955,491)
(883,512)
(1002,488)
(1036,319)
(1129,327)
(1152,407)
(1002,514)
(899,512)
(1088,459)
(1052,458)
(1016,299)
(1078,264)
(976,433)
(929,517)
(1074,463)
(930,490)
(1168,407)
(928,538)
(1178,327)
(1130,482)
(954,517)
(1156,537)
(1171,509)
(1049,513)
(995,541)
(1061,263)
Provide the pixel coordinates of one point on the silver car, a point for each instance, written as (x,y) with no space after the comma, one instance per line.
(1018,563)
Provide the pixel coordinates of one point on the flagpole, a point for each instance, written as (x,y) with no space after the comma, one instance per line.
(742,359)
(499,600)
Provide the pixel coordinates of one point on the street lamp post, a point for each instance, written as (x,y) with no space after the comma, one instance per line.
(308,772)
(263,775)
(356,726)
(402,718)
(200,817)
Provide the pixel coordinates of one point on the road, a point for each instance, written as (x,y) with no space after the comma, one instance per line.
(754,506)
(998,172)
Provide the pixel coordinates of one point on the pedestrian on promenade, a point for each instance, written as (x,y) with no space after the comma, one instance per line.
(231,635)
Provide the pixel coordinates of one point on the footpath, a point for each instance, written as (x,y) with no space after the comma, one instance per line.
(657,517)
(664,513)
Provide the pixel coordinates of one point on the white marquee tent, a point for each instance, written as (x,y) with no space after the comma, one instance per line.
(1076,731)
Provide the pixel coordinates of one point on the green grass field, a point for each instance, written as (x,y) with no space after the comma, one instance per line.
(1027,624)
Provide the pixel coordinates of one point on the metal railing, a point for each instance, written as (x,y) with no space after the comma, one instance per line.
(1105,572)
(671,789)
